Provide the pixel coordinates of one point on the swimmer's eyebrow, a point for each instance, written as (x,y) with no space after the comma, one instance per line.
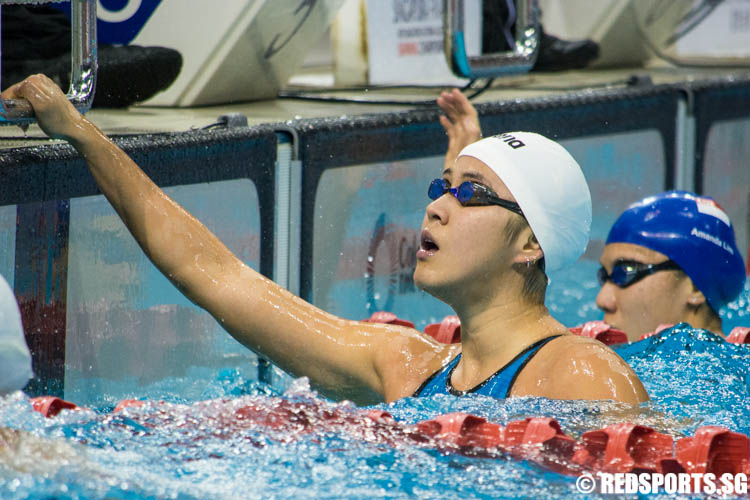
(470,175)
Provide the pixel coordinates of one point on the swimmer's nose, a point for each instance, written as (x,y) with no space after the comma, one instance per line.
(439,209)
(605,299)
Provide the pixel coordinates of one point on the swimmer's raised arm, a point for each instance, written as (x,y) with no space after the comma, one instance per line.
(466,258)
(360,361)
(461,123)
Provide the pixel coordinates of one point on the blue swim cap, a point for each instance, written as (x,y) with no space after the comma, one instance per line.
(694,232)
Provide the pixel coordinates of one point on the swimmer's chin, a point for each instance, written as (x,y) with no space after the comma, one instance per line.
(420,282)
(424,284)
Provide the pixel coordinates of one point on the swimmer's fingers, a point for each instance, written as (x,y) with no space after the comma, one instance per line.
(11,92)
(54,113)
(462,105)
(452,117)
(461,121)
(447,124)
(466,116)
(37,89)
(447,103)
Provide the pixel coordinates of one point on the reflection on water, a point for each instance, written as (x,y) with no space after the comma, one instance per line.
(240,439)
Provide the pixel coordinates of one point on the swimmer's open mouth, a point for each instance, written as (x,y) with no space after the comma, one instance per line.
(427,243)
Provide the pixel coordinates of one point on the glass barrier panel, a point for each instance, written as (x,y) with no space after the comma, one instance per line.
(726,178)
(368,220)
(128,327)
(8,242)
(368,224)
(620,169)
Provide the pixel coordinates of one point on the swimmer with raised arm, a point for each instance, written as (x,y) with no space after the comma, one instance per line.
(669,258)
(478,254)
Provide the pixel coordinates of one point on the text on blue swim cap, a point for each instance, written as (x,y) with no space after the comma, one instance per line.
(713,239)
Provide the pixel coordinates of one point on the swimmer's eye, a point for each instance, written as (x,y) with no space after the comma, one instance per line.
(626,272)
(471,194)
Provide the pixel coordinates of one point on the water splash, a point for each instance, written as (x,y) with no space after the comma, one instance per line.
(240,439)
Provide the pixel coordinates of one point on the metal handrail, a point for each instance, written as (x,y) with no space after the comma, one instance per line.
(518,60)
(83,65)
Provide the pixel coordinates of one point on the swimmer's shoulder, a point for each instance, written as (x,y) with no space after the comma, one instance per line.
(575,367)
(408,358)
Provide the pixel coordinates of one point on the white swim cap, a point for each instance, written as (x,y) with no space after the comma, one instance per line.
(548,185)
(15,360)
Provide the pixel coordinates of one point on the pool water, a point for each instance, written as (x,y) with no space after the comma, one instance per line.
(233,437)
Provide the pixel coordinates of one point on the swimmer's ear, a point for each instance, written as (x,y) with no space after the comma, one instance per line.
(696,298)
(529,248)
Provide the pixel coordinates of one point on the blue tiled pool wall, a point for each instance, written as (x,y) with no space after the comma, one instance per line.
(359,207)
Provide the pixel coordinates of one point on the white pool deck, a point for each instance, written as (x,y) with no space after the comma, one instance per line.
(139,119)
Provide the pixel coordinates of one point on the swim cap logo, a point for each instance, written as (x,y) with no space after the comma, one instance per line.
(710,207)
(511,141)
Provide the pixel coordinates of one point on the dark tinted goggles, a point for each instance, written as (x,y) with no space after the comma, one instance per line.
(471,194)
(626,272)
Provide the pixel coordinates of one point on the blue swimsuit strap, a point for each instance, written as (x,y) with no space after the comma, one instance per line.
(514,366)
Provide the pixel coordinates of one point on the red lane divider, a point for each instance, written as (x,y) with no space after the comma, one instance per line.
(659,329)
(380,416)
(714,449)
(463,430)
(600,331)
(388,318)
(50,406)
(448,331)
(128,403)
(739,335)
(623,447)
(540,439)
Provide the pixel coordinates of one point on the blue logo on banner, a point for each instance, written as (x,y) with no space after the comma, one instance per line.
(119,21)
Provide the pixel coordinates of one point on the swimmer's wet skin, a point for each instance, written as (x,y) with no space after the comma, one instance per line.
(487,262)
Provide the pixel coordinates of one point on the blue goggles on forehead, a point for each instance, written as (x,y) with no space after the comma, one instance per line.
(471,194)
(626,272)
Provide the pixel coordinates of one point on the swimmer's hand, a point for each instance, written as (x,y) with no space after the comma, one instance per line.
(56,116)
(461,122)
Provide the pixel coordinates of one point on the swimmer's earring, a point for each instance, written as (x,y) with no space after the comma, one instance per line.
(695,300)
(528,263)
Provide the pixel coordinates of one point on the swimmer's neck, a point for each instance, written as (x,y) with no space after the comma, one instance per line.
(496,334)
(706,321)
